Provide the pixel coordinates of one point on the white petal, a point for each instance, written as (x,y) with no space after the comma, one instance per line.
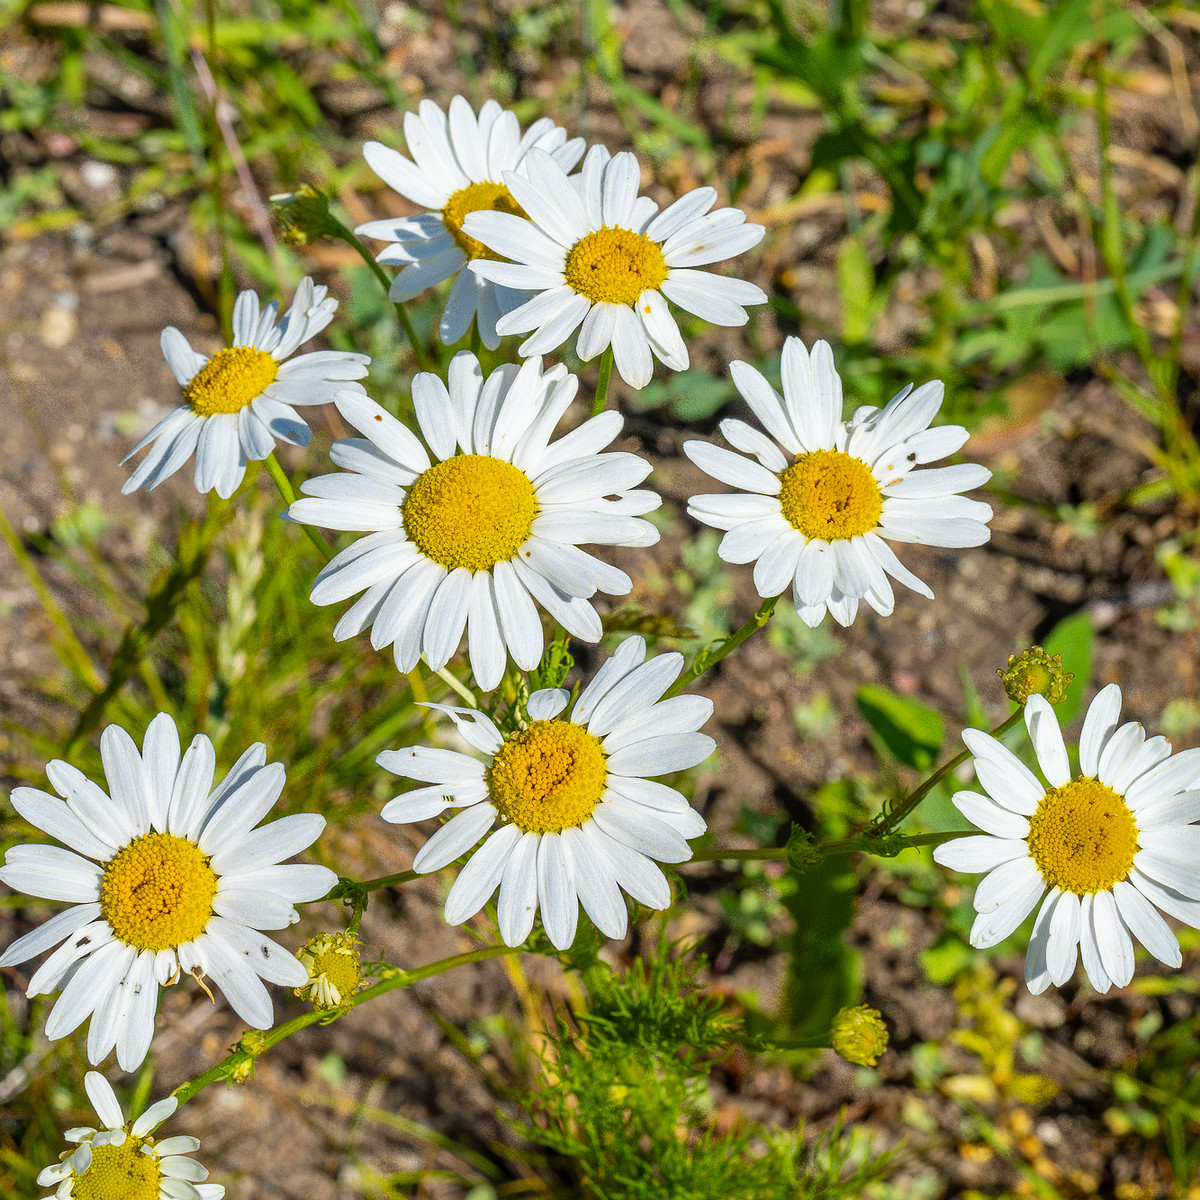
(557,900)
(104,1100)
(1062,950)
(518,891)
(455,838)
(594,883)
(481,875)
(1146,925)
(980,853)
(1004,777)
(994,925)
(989,816)
(1102,716)
(1116,950)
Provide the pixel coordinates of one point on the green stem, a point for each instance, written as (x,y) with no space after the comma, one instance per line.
(712,654)
(395,977)
(889,820)
(853,845)
(402,314)
(284,484)
(386,881)
(606,366)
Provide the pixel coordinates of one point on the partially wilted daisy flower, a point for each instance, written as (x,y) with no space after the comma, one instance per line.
(1111,844)
(825,493)
(471,533)
(334,968)
(460,168)
(241,400)
(166,874)
(124,1162)
(579,818)
(597,255)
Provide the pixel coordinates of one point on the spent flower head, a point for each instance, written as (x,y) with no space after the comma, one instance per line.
(859,1035)
(1034,672)
(304,215)
(334,967)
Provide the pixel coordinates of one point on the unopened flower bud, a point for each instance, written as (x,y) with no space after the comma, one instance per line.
(859,1035)
(334,970)
(303,215)
(1033,672)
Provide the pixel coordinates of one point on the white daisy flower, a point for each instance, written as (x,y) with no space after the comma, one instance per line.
(597,254)
(240,400)
(123,1161)
(1113,844)
(824,492)
(460,169)
(490,519)
(579,819)
(165,874)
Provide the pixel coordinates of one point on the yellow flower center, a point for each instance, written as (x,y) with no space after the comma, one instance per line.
(548,777)
(1083,837)
(478,197)
(157,892)
(470,511)
(614,266)
(334,969)
(828,494)
(119,1173)
(230,380)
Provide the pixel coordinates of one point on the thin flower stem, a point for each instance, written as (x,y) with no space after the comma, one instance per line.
(896,815)
(712,654)
(394,977)
(386,881)
(457,685)
(606,366)
(823,850)
(284,484)
(401,312)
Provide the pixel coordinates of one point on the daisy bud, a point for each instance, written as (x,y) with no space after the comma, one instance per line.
(334,970)
(859,1035)
(1033,672)
(303,215)
(251,1044)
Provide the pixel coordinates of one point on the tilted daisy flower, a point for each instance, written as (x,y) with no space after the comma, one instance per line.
(579,819)
(459,169)
(241,400)
(1114,844)
(824,493)
(165,874)
(121,1161)
(596,255)
(490,519)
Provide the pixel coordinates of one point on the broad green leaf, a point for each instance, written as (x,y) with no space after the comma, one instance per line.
(911,731)
(1072,638)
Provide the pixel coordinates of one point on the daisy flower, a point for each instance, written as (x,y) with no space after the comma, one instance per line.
(239,401)
(460,168)
(120,1161)
(579,820)
(597,255)
(824,493)
(165,874)
(490,519)
(1113,844)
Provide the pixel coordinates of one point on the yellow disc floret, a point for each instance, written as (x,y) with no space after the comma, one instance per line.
(157,892)
(1083,837)
(478,197)
(470,511)
(829,494)
(230,380)
(614,266)
(121,1172)
(549,777)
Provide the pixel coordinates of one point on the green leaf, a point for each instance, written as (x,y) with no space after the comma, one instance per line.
(946,959)
(856,285)
(1072,638)
(911,731)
